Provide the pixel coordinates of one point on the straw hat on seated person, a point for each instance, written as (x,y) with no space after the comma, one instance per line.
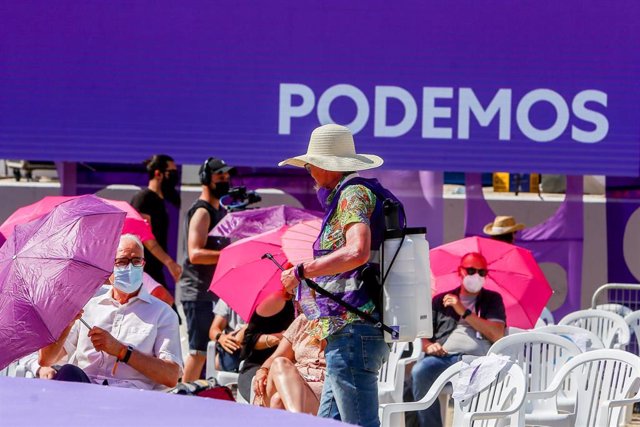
(503,228)
(331,148)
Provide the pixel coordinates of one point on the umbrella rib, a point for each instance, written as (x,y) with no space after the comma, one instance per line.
(66,259)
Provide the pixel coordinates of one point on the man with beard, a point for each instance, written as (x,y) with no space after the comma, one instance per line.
(202,254)
(150,203)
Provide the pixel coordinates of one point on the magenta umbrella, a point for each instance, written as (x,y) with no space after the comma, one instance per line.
(243,278)
(513,272)
(50,268)
(238,225)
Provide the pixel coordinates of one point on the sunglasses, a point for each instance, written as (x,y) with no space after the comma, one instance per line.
(471,271)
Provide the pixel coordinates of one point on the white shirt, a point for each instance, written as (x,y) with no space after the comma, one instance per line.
(145,322)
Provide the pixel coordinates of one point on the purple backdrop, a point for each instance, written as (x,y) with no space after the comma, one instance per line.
(120,80)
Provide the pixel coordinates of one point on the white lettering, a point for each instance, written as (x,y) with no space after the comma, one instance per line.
(500,104)
(582,112)
(380,127)
(362,106)
(430,112)
(288,111)
(558,103)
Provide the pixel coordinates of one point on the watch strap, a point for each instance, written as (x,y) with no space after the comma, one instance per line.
(127,355)
(466,313)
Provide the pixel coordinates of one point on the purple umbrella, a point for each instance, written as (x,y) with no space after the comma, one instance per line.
(50,268)
(238,225)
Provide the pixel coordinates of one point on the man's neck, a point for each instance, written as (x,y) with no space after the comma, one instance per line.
(156,187)
(209,198)
(121,297)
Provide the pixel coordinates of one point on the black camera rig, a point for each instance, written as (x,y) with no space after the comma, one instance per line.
(238,198)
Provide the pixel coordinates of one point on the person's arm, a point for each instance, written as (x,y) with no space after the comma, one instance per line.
(55,351)
(266,341)
(353,254)
(491,330)
(156,250)
(197,239)
(162,294)
(161,371)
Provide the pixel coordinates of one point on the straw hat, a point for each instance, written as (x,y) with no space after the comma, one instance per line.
(502,225)
(331,148)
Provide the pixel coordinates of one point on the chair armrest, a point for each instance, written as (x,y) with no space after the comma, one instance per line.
(621,402)
(539,395)
(469,418)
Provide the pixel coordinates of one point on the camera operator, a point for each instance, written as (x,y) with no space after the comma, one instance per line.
(199,265)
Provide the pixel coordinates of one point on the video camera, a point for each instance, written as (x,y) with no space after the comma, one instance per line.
(238,198)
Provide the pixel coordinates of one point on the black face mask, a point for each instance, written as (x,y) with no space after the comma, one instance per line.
(170,179)
(221,189)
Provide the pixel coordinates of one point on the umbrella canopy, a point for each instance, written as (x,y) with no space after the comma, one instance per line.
(50,268)
(513,272)
(238,225)
(242,278)
(134,223)
(297,241)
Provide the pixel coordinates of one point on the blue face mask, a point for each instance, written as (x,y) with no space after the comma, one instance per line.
(127,279)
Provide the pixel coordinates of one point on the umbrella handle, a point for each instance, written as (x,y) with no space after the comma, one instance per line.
(85,323)
(268,255)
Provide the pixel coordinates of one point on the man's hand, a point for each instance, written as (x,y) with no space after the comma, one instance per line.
(175,270)
(289,281)
(46,373)
(229,343)
(104,341)
(435,349)
(451,300)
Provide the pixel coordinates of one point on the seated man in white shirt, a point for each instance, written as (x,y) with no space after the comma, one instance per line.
(134,340)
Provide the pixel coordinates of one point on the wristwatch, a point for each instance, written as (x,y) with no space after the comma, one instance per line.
(217,337)
(466,313)
(127,355)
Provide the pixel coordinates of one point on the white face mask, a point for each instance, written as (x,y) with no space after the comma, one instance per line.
(473,283)
(127,279)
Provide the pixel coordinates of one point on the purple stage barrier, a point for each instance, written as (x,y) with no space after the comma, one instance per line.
(31,402)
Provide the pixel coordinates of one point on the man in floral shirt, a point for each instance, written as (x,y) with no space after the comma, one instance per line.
(352,232)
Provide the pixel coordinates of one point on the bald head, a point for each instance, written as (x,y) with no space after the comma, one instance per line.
(473,259)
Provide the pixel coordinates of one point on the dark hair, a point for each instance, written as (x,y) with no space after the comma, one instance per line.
(507,237)
(157,162)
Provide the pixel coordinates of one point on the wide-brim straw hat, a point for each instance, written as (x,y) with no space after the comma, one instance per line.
(331,148)
(502,225)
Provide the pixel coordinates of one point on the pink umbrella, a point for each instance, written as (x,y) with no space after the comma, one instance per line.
(241,224)
(134,223)
(513,272)
(50,268)
(297,241)
(242,278)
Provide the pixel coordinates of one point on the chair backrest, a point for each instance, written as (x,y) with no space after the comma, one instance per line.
(601,376)
(506,393)
(546,318)
(610,327)
(633,321)
(539,354)
(574,333)
(387,373)
(619,309)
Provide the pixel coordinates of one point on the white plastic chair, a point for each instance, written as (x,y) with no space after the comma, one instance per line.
(540,355)
(606,381)
(572,333)
(610,327)
(633,321)
(223,377)
(546,318)
(619,309)
(392,373)
(502,400)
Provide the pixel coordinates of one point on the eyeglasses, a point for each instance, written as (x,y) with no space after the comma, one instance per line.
(135,261)
(307,167)
(471,271)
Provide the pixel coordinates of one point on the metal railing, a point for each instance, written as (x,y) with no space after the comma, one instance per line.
(627,294)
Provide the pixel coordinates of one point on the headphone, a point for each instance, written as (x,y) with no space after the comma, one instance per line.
(205,173)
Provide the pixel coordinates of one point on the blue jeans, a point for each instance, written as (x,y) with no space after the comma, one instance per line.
(423,375)
(354,357)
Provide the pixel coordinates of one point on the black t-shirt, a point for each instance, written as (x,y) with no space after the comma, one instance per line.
(196,278)
(149,203)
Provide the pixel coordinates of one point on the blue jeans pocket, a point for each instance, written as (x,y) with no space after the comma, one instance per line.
(375,352)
